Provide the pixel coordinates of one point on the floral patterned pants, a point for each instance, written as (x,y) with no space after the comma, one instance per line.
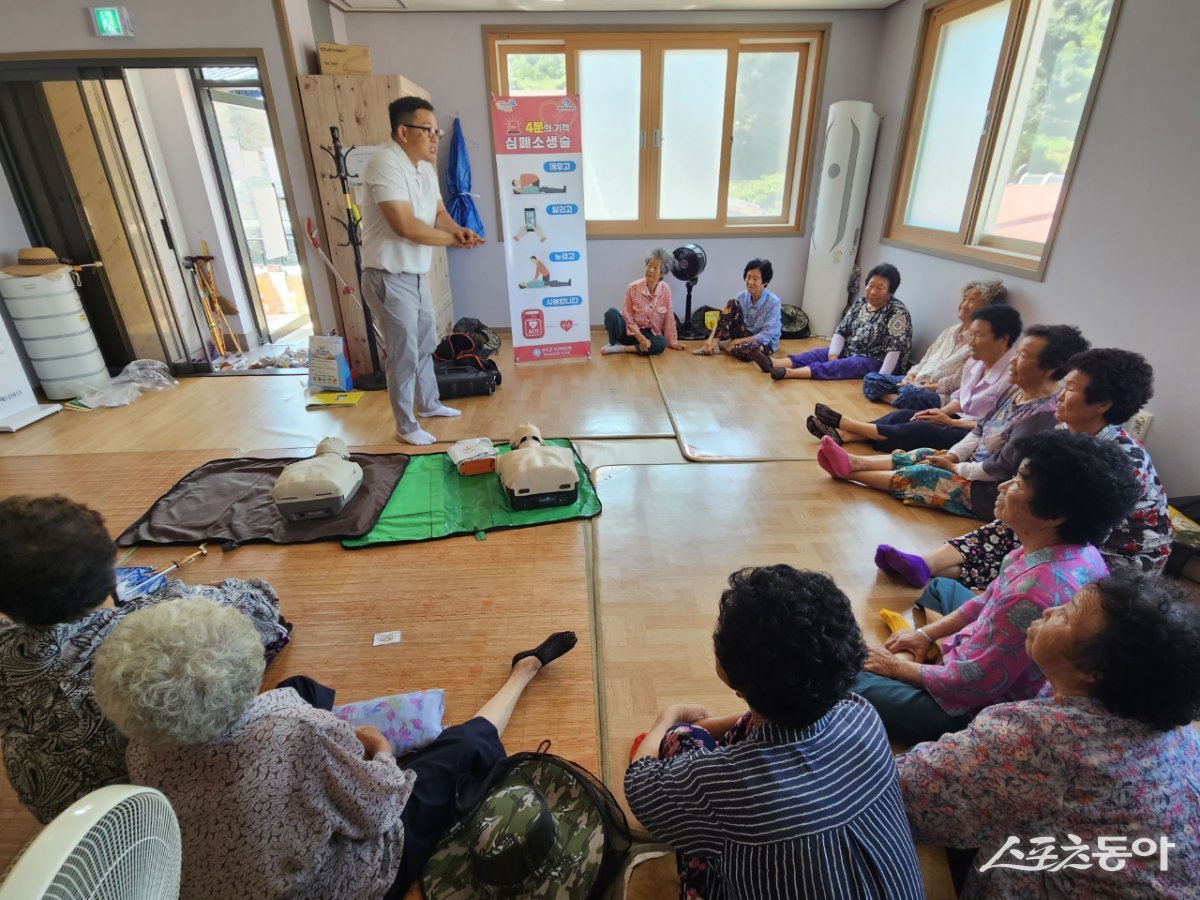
(731,326)
(983,550)
(916,484)
(698,879)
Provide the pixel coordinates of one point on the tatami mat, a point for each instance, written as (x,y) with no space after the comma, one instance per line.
(657,586)
(724,409)
(464,606)
(612,398)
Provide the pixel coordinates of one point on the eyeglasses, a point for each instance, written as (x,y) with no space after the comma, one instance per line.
(428,129)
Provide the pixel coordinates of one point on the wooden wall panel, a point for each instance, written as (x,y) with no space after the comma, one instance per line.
(357,105)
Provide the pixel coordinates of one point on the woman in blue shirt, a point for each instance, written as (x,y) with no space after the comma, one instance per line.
(750,326)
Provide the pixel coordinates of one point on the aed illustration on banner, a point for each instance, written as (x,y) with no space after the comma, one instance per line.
(537,147)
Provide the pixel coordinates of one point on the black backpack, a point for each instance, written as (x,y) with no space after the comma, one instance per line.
(794,321)
(487,342)
(471,791)
(458,350)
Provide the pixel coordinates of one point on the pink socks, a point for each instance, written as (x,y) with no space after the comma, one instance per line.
(833,459)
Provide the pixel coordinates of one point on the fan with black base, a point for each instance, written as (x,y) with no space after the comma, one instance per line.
(687,264)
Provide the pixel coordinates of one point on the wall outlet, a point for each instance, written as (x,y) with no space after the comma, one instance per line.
(1139,425)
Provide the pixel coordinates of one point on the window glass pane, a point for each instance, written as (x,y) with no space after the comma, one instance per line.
(1039,133)
(229,73)
(762,130)
(963,72)
(245,134)
(610,101)
(693,109)
(537,73)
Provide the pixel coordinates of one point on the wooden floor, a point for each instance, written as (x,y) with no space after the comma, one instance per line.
(725,409)
(639,583)
(604,398)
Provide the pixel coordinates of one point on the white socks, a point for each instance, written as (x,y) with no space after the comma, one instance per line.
(420,437)
(612,348)
(440,410)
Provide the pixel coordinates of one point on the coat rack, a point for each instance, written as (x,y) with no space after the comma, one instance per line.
(375,379)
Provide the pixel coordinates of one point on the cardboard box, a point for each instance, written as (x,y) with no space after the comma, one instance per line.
(344,59)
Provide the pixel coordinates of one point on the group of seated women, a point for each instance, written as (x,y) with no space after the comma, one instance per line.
(1039,707)
(1056,703)
(1056,706)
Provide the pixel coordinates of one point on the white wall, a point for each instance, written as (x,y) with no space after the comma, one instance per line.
(443,52)
(12,232)
(63,25)
(1120,267)
(12,239)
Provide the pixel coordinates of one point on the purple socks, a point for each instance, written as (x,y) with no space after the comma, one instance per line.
(907,566)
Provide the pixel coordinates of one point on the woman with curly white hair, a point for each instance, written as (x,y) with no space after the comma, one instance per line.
(276,798)
(645,324)
(57,565)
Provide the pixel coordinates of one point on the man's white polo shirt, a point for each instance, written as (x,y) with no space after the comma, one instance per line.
(391,175)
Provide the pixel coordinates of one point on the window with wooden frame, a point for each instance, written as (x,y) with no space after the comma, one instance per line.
(703,132)
(997,114)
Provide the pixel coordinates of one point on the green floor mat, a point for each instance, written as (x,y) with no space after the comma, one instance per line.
(433,501)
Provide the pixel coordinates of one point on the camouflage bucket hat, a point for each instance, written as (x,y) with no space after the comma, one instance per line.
(538,833)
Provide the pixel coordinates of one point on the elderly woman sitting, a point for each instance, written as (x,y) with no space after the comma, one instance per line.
(646,323)
(1104,388)
(933,380)
(875,335)
(964,480)
(991,338)
(750,325)
(1105,759)
(797,797)
(274,797)
(1067,494)
(57,565)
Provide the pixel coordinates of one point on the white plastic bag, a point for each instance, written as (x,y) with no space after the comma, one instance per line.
(147,374)
(140,375)
(116,394)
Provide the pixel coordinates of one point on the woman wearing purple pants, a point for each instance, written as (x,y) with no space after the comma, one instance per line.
(875,335)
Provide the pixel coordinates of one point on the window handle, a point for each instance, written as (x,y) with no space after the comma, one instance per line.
(657,138)
(643,138)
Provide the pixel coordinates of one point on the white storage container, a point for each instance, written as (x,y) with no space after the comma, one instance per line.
(50,319)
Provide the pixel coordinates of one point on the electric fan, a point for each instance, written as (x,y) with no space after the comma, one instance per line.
(118,843)
(689,261)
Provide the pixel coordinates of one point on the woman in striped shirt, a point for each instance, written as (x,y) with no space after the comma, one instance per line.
(797,797)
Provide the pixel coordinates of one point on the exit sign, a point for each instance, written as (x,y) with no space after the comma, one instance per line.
(112,21)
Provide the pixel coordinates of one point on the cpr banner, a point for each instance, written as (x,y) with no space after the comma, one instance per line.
(538,158)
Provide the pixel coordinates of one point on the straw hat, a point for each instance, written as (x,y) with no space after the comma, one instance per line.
(35,261)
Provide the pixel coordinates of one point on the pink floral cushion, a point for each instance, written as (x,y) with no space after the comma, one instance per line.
(408,721)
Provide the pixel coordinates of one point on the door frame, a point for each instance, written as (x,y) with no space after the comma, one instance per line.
(183,58)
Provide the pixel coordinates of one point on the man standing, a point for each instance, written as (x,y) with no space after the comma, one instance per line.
(402,223)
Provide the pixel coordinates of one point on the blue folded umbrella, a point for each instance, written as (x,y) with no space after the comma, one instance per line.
(458,179)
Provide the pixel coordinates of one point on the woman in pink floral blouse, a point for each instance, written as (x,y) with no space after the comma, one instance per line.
(645,324)
(1068,493)
(1093,788)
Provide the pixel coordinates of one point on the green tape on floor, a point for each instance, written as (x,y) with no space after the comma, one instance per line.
(433,501)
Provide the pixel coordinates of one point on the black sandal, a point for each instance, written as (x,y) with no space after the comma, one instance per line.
(550,649)
(828,415)
(819,429)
